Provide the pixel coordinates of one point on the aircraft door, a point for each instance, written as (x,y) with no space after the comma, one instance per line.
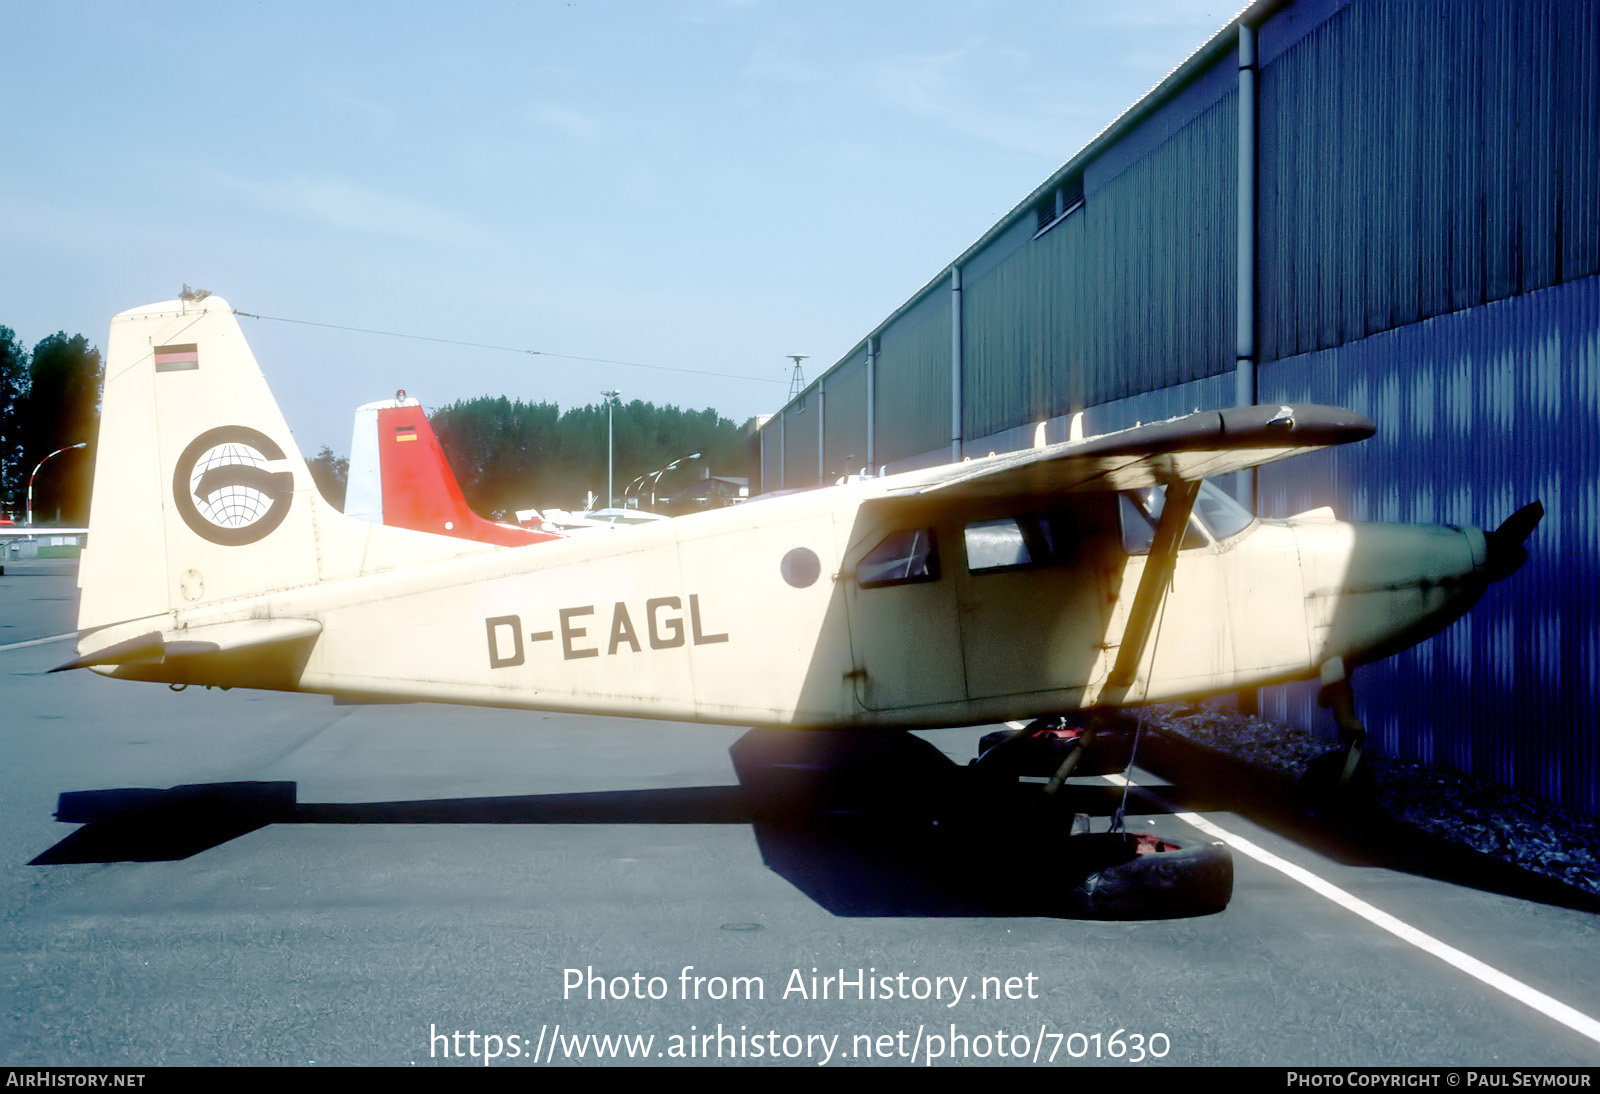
(1032,600)
(903,628)
(1189,647)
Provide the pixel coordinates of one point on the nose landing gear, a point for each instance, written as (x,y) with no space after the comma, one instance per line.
(1336,775)
(1336,695)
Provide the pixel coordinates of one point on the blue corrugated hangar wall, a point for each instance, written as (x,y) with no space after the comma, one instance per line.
(1418,186)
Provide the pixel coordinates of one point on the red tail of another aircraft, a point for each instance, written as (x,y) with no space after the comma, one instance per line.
(399,477)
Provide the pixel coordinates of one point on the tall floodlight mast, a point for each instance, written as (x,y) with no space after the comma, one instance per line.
(797,382)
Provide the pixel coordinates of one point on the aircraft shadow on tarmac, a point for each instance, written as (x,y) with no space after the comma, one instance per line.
(864,824)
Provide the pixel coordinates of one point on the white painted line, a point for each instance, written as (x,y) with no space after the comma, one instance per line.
(40,641)
(1522,993)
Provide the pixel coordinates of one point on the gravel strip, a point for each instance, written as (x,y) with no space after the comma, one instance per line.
(1525,831)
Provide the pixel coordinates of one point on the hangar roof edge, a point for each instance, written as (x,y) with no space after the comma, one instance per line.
(1190,69)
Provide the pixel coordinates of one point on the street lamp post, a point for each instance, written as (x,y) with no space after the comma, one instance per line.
(611,446)
(655,479)
(57,452)
(636,487)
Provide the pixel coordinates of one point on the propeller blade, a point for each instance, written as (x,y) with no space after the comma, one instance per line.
(1506,553)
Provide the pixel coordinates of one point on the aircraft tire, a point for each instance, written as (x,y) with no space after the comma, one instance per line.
(1192,879)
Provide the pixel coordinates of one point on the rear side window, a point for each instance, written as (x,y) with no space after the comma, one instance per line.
(1014,543)
(996,545)
(901,558)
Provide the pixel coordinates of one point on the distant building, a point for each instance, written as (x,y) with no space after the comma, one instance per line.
(710,492)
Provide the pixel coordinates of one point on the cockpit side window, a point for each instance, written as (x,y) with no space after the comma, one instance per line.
(901,558)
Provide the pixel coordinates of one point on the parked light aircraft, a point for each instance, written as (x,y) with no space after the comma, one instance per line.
(1093,573)
(398,475)
(573,522)
(29,531)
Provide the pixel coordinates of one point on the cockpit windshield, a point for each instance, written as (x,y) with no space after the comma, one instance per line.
(1219,513)
(1214,512)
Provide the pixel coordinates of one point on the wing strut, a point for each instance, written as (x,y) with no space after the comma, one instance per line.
(1153,584)
(1142,616)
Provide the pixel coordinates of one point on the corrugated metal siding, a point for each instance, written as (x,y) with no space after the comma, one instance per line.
(771,474)
(1478,412)
(1164,238)
(1199,95)
(800,441)
(1131,293)
(1024,325)
(1577,95)
(845,430)
(913,380)
(1420,158)
(1210,393)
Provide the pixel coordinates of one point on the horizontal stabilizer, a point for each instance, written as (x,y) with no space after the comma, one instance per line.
(1195,446)
(157,647)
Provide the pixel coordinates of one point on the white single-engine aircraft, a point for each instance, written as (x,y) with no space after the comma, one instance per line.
(1093,573)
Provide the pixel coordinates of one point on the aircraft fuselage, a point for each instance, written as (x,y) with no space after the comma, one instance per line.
(784,613)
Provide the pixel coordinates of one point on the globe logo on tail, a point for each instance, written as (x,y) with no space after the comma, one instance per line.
(224,490)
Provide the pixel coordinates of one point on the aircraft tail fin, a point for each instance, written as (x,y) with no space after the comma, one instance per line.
(200,493)
(399,476)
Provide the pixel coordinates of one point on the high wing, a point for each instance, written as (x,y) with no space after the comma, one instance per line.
(1185,449)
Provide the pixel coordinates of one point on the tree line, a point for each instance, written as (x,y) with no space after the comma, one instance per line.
(511,455)
(507,455)
(49,399)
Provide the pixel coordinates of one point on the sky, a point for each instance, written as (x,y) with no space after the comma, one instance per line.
(697,186)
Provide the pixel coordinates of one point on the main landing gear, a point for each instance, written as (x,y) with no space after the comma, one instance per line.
(1115,874)
(1058,747)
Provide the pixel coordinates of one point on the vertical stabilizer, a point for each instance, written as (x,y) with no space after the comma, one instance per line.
(363,494)
(200,493)
(399,476)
